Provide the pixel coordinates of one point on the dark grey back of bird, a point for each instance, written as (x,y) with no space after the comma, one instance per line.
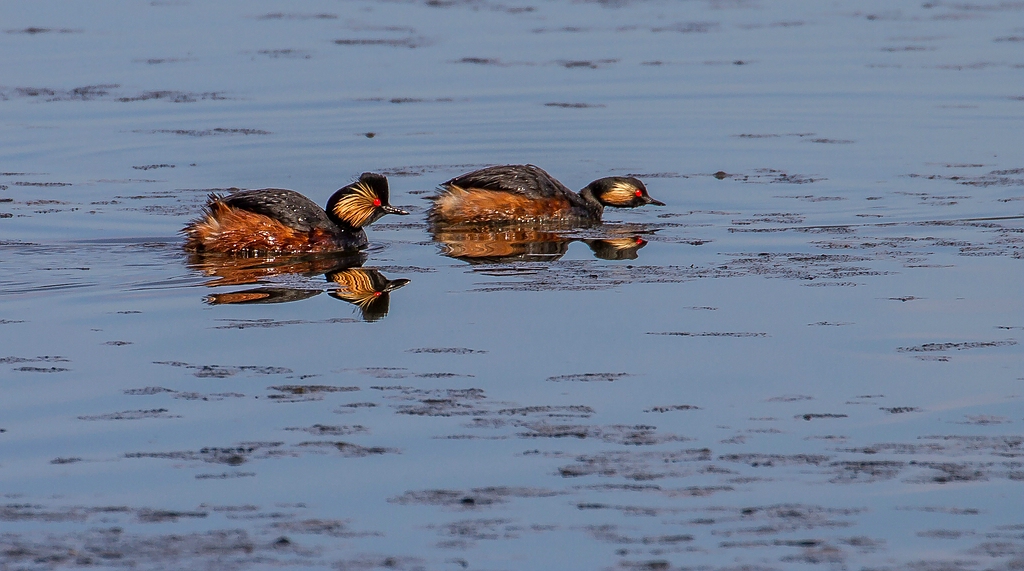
(287,206)
(527,180)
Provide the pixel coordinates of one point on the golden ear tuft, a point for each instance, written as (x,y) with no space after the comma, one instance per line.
(359,206)
(620,193)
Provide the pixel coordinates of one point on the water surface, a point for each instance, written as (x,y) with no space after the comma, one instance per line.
(809,359)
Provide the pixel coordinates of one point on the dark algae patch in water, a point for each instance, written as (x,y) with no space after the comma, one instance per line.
(957,346)
(221,372)
(211,132)
(470,499)
(108,92)
(445,350)
(131,415)
(590,377)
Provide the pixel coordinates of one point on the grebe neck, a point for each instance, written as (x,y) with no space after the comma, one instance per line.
(591,203)
(343,225)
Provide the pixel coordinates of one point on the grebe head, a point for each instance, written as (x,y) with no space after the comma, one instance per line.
(363,202)
(622,192)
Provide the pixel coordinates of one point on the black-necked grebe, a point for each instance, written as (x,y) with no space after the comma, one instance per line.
(274,220)
(526,194)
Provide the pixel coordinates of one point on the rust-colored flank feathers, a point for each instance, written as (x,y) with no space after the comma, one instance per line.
(481,206)
(233,230)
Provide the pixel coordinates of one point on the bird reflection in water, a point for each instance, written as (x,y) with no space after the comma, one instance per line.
(476,244)
(366,288)
(624,248)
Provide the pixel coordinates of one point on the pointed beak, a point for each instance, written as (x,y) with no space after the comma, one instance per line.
(395,284)
(650,200)
(388,209)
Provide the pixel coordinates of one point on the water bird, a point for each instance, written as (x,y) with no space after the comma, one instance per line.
(275,220)
(527,194)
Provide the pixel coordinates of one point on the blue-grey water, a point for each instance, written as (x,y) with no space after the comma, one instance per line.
(812,361)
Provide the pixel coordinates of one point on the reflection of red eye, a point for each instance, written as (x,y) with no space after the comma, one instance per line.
(639,193)
(639,240)
(376,201)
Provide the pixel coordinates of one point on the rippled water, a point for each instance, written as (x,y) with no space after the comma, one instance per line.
(810,358)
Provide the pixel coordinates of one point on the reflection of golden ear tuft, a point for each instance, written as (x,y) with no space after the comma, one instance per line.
(358,286)
(624,243)
(357,207)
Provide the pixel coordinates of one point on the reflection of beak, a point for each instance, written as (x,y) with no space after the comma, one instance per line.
(388,209)
(395,284)
(650,200)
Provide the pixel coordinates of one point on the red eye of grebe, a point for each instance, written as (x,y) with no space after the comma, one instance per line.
(376,294)
(639,193)
(376,201)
